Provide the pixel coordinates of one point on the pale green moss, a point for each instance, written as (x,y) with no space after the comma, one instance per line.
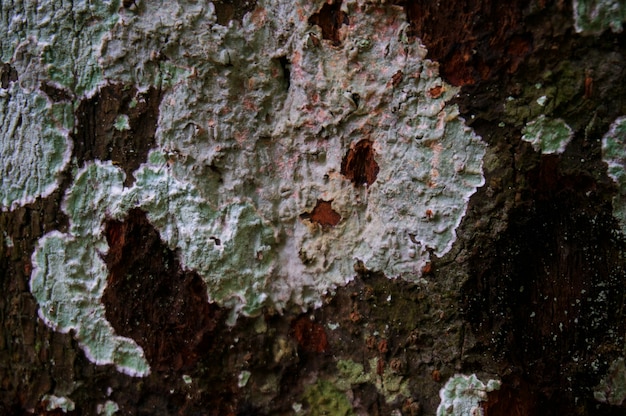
(461,396)
(547,135)
(558,87)
(325,399)
(389,384)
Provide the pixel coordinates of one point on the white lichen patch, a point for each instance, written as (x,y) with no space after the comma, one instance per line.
(461,396)
(56,41)
(108,408)
(69,275)
(592,17)
(34,145)
(230,246)
(62,403)
(53,43)
(122,122)
(239,130)
(255,127)
(614,154)
(547,135)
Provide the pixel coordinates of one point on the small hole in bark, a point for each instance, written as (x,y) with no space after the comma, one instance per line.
(323,214)
(435,92)
(330,18)
(8,74)
(310,336)
(227,10)
(356,98)
(359,164)
(285,65)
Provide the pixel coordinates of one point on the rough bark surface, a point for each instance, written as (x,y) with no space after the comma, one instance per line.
(504,302)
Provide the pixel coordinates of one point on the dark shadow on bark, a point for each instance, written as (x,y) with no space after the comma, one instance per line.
(118,124)
(150,299)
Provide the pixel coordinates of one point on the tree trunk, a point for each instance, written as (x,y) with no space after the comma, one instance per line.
(357,207)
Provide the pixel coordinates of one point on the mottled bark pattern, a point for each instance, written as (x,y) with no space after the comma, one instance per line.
(538,240)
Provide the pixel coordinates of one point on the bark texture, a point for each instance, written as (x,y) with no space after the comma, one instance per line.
(531,292)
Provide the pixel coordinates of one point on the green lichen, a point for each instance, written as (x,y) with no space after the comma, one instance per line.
(56,41)
(231,246)
(109,408)
(614,154)
(34,145)
(53,43)
(236,130)
(390,384)
(593,17)
(122,122)
(351,373)
(53,402)
(547,136)
(461,396)
(69,276)
(242,378)
(254,125)
(324,398)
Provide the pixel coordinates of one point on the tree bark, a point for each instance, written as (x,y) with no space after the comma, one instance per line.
(247,207)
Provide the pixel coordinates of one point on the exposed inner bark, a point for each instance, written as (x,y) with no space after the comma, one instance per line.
(310,335)
(323,214)
(359,164)
(471,39)
(227,10)
(330,18)
(170,317)
(8,74)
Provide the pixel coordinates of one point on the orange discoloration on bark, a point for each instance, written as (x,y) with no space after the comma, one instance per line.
(323,214)
(310,336)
